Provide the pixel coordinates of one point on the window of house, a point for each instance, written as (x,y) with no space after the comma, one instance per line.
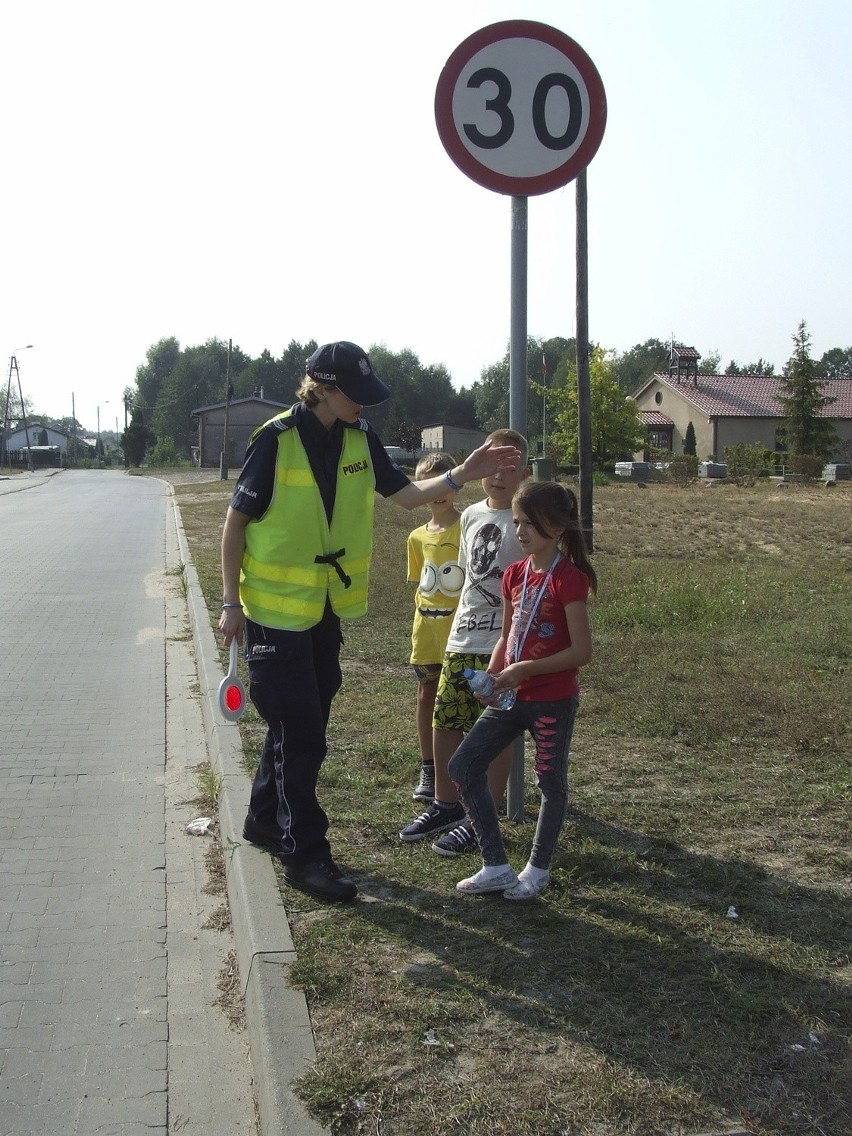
(658,397)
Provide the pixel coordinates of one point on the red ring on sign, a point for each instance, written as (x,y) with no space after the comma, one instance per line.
(459,153)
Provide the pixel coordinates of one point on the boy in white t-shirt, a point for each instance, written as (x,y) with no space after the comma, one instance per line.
(488,546)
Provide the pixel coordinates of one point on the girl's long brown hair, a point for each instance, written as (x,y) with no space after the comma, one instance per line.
(552,507)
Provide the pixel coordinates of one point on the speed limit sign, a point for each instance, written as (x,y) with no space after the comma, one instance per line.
(520,108)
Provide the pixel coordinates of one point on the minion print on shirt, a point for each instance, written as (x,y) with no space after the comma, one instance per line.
(433,562)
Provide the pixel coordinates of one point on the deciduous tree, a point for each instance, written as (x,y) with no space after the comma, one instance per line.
(761,367)
(548,363)
(709,364)
(634,367)
(407,435)
(197,379)
(160,360)
(617,430)
(836,363)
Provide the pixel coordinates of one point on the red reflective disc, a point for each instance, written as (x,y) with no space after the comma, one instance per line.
(233,698)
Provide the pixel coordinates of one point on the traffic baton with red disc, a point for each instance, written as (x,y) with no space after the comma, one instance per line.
(232,693)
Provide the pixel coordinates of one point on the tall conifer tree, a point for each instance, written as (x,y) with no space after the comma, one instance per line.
(801,397)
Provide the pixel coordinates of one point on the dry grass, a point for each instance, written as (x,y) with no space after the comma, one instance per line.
(711,770)
(230,1000)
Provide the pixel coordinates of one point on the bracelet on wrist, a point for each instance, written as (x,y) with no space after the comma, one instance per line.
(454,485)
(225,606)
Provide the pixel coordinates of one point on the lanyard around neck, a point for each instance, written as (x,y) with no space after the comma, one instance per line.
(521,636)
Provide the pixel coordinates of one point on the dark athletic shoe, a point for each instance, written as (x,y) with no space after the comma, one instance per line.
(322,879)
(263,835)
(437,818)
(425,790)
(457,841)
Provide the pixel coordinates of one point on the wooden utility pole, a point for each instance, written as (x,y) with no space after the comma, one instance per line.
(223,459)
(14,363)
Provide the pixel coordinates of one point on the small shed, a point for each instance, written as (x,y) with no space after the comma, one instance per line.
(456,440)
(244,416)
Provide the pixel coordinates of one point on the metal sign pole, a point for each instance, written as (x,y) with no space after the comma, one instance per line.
(518,421)
(518,318)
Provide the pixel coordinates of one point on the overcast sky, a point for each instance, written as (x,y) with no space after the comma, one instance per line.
(266,171)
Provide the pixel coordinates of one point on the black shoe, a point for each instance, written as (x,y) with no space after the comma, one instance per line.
(263,835)
(457,841)
(425,790)
(321,879)
(437,818)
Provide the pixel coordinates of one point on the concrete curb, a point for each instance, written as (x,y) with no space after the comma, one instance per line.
(26,480)
(279,1027)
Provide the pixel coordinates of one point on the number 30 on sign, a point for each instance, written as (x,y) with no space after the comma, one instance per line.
(520,108)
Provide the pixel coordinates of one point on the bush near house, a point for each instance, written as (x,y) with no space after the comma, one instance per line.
(682,469)
(805,465)
(164,452)
(746,462)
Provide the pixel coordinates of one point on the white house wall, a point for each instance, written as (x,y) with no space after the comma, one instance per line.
(17,440)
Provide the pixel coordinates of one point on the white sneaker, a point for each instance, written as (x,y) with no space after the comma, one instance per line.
(485,881)
(527,888)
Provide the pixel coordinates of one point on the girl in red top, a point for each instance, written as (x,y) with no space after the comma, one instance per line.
(545,639)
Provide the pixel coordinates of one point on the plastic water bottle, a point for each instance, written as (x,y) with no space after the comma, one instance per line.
(482,684)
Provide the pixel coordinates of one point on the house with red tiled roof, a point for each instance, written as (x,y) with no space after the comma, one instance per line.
(724,409)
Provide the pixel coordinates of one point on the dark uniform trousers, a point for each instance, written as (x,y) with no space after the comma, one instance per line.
(293,678)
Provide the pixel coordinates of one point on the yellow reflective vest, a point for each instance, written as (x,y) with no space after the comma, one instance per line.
(293,558)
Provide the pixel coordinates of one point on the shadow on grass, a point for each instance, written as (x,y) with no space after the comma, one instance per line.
(633,954)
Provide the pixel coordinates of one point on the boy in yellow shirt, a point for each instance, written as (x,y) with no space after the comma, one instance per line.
(433,564)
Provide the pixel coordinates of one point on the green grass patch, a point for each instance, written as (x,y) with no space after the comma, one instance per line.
(690,965)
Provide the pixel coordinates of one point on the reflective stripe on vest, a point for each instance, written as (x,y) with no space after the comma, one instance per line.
(293,558)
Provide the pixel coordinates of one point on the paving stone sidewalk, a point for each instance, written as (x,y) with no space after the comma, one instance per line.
(106,976)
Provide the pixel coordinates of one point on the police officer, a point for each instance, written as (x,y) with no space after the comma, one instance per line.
(296,550)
